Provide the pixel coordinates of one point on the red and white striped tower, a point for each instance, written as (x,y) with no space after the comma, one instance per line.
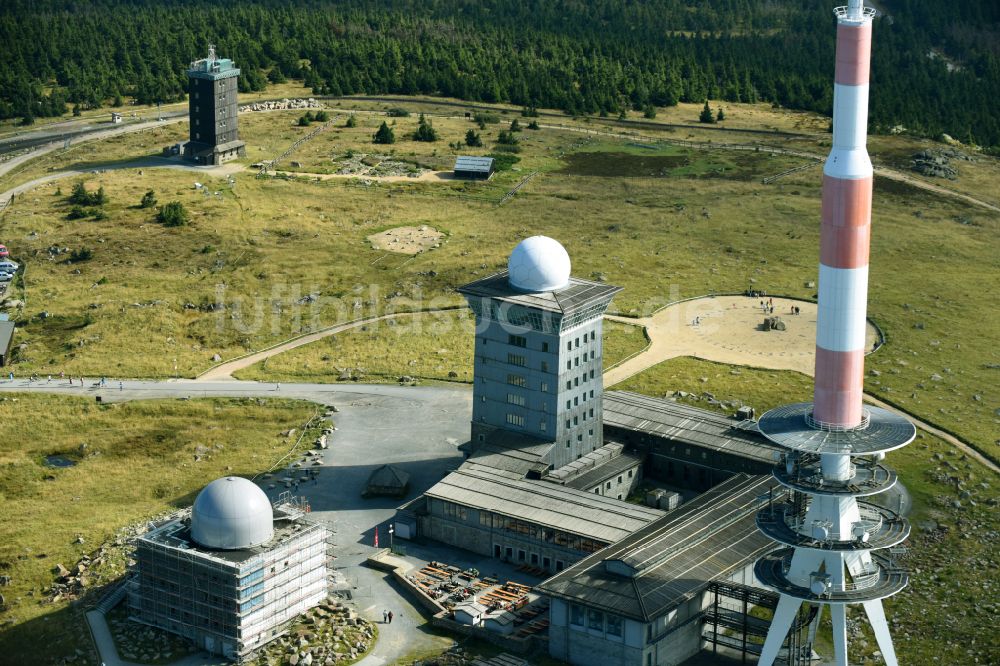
(838,545)
(845,231)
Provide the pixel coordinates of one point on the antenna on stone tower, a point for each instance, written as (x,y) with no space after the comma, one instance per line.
(211,51)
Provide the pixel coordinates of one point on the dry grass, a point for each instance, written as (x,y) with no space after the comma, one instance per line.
(133,461)
(707,226)
(435,346)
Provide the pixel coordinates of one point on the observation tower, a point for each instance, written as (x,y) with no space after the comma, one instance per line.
(830,530)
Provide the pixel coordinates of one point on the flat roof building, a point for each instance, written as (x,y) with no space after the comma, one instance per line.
(231,574)
(640,601)
(212,111)
(474,168)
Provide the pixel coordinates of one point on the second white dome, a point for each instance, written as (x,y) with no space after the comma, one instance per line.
(539,263)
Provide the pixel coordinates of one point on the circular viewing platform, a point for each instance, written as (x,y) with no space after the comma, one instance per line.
(789,427)
(883,580)
(868,477)
(878,528)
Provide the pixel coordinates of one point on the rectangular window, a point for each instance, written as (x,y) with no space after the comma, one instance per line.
(575,420)
(516,359)
(576,362)
(545,346)
(516,380)
(569,384)
(544,387)
(614,625)
(619,478)
(545,366)
(595,620)
(576,381)
(576,615)
(515,419)
(567,423)
(591,412)
(515,399)
(569,364)
(576,400)
(591,354)
(569,345)
(591,374)
(577,342)
(568,404)
(517,340)
(593,335)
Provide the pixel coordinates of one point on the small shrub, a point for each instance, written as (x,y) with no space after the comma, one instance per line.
(425,131)
(321,116)
(148,200)
(83,254)
(533,125)
(503,161)
(515,126)
(484,118)
(507,138)
(304,121)
(77,213)
(472,139)
(172,214)
(352,121)
(397,112)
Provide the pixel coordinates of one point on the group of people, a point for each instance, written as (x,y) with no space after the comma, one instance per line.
(387,617)
(767,306)
(33,377)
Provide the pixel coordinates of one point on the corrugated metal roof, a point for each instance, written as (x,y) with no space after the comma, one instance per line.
(613,467)
(577,294)
(6,335)
(543,503)
(475,164)
(673,558)
(685,424)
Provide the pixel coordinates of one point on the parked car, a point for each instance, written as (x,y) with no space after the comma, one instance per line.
(5,276)
(4,252)
(8,266)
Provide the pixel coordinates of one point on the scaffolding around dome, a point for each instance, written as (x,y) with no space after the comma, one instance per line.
(230,600)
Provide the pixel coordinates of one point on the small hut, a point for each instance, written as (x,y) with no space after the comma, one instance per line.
(387,480)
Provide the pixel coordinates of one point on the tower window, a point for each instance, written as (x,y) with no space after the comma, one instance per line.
(545,346)
(515,419)
(517,340)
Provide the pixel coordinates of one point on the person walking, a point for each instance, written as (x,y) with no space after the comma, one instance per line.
(390,617)
(121,385)
(385,617)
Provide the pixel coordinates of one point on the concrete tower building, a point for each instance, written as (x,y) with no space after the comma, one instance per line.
(538,364)
(213,109)
(834,444)
(230,576)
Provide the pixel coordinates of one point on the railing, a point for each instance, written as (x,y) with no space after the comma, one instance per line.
(866,418)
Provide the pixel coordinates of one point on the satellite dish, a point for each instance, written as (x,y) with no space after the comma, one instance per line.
(820,532)
(818,587)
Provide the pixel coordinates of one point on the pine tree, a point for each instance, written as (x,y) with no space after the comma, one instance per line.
(425,130)
(384,135)
(515,126)
(172,214)
(706,114)
(148,200)
(352,121)
(472,139)
(720,116)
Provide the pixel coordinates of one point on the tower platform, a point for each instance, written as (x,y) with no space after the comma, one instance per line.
(792,427)
(804,474)
(882,579)
(879,528)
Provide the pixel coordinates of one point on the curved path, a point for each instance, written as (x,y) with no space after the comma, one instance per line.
(224,371)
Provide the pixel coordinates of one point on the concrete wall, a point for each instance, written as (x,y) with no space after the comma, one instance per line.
(587,645)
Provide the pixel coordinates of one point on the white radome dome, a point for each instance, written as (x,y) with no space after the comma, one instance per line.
(538,263)
(232,513)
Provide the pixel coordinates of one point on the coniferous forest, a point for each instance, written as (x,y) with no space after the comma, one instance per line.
(936,65)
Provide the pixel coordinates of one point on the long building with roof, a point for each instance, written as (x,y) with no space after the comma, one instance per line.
(642,600)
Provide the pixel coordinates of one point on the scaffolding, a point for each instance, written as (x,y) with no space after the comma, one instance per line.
(230,602)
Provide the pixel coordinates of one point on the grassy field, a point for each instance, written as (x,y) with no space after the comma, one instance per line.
(435,346)
(952,551)
(46,509)
(652,216)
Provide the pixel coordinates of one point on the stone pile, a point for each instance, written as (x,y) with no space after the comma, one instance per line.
(282,105)
(937,163)
(329,634)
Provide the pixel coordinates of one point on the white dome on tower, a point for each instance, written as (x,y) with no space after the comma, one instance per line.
(232,513)
(538,263)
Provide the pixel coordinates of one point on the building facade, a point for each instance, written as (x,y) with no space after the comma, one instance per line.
(212,110)
(644,600)
(232,600)
(538,352)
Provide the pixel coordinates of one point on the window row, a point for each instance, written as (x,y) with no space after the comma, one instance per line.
(595,620)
